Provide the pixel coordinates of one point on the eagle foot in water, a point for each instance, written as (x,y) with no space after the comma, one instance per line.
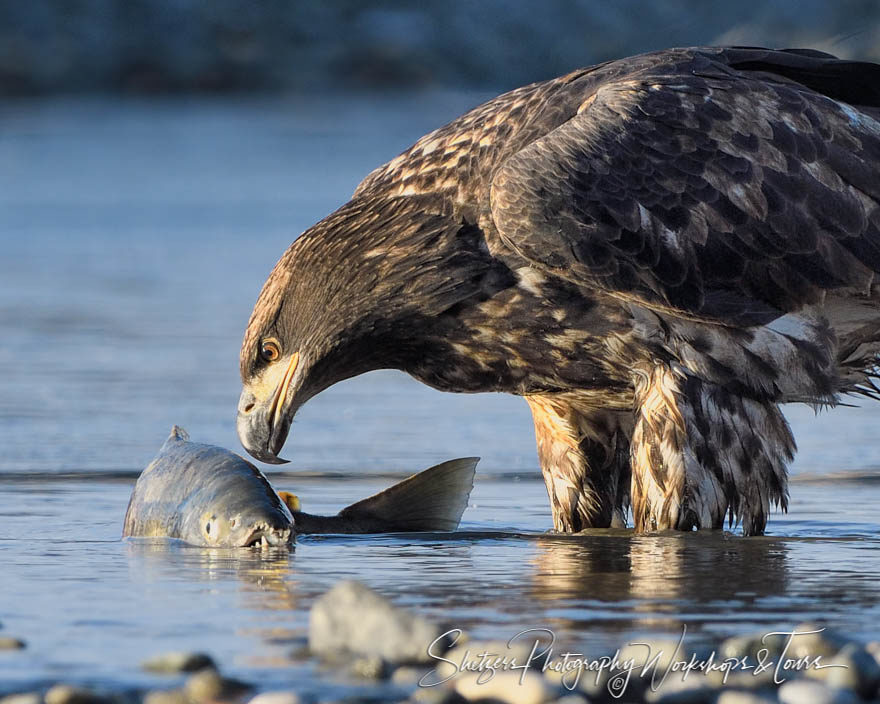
(700,452)
(584,454)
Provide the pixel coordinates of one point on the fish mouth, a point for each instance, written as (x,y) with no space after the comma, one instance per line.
(263,535)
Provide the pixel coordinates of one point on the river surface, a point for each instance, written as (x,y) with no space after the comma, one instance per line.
(134,239)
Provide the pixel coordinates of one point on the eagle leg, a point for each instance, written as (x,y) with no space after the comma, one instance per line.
(700,452)
(584,457)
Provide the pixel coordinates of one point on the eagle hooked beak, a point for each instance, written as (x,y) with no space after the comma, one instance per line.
(265,412)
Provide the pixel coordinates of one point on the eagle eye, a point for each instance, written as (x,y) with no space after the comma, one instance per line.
(270,350)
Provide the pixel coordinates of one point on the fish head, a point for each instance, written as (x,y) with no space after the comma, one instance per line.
(222,528)
(237,510)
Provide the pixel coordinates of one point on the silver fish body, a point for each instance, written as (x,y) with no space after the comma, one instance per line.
(208,496)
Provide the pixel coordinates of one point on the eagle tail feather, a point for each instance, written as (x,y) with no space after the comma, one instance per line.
(701,454)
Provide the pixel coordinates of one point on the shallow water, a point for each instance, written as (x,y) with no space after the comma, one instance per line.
(135,238)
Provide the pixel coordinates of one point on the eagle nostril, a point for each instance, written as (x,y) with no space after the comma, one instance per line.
(249,408)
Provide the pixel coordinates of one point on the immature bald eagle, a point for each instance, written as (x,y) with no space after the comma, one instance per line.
(655,252)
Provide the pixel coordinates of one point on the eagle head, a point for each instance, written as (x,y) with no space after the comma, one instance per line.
(313,324)
(360,290)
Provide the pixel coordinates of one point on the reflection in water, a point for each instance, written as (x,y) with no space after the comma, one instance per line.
(655,581)
(263,576)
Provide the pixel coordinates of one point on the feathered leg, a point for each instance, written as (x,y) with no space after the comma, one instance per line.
(700,452)
(584,457)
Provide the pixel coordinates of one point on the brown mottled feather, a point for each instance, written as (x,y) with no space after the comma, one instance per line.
(677,191)
(584,454)
(679,241)
(701,453)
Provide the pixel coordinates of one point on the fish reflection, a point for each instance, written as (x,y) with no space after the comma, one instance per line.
(262,576)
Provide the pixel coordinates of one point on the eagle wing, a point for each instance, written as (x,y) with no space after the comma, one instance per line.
(731,196)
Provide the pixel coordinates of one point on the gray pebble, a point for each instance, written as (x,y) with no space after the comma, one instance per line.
(283,697)
(351,617)
(743,696)
(159,696)
(209,686)
(405,675)
(22,698)
(300,652)
(750,645)
(675,691)
(825,642)
(369,667)
(508,687)
(743,679)
(812,692)
(572,698)
(7,643)
(434,695)
(174,662)
(853,668)
(68,694)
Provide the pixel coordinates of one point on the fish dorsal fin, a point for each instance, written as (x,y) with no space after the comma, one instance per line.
(178,433)
(432,500)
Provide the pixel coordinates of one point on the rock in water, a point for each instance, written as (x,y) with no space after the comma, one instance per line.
(7,643)
(279,697)
(739,696)
(159,696)
(170,663)
(209,686)
(507,687)
(852,668)
(68,694)
(22,698)
(352,618)
(809,692)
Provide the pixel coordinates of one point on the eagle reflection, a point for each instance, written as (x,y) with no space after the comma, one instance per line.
(655,580)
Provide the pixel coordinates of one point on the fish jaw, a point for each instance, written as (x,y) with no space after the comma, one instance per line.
(263,535)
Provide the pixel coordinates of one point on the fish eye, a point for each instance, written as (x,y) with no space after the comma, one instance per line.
(270,350)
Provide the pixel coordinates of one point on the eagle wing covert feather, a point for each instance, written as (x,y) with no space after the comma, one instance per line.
(725,200)
(657,252)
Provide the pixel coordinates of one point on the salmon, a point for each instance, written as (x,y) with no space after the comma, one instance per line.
(208,496)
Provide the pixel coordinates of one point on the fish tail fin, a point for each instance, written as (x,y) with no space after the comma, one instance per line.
(432,500)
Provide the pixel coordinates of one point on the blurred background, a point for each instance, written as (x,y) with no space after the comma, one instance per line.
(158,156)
(272,46)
